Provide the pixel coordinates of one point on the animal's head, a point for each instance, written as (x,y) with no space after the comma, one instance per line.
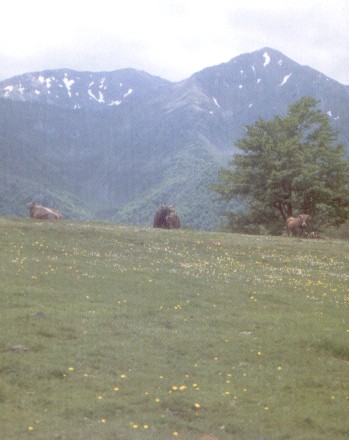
(166,209)
(303,219)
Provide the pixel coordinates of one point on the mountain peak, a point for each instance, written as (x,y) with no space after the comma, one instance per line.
(156,141)
(243,81)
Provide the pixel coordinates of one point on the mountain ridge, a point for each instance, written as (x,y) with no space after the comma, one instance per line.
(62,87)
(41,81)
(113,146)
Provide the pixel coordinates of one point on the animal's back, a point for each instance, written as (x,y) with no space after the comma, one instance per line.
(43,213)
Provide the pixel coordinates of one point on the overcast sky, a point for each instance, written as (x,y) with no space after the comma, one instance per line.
(170,38)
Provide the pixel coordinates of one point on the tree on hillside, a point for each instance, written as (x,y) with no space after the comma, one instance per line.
(287,165)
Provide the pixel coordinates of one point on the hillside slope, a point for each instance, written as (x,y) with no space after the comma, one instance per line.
(163,334)
(115,145)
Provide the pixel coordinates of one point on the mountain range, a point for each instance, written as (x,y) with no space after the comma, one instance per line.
(115,145)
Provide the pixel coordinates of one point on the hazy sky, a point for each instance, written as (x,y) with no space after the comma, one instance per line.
(170,38)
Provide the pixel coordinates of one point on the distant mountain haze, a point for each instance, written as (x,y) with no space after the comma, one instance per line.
(115,145)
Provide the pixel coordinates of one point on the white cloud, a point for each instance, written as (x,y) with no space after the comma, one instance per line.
(170,38)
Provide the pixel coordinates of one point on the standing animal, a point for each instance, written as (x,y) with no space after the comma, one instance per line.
(160,216)
(42,212)
(166,218)
(172,221)
(297,225)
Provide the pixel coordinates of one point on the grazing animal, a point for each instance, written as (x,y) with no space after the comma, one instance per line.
(43,213)
(172,221)
(297,225)
(160,216)
(166,218)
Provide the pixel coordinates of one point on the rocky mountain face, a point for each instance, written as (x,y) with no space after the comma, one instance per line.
(114,145)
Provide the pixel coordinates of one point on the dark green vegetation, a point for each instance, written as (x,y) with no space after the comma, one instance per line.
(101,165)
(115,332)
(288,166)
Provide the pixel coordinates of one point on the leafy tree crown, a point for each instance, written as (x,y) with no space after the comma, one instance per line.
(286,166)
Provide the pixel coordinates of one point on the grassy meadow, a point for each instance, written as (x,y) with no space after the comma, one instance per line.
(117,332)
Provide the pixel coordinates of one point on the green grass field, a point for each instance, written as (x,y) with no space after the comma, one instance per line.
(116,332)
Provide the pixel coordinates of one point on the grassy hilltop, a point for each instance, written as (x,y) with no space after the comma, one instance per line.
(116,332)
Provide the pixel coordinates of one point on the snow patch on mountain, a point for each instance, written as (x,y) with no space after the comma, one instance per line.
(286,78)
(8,91)
(68,83)
(216,103)
(100,97)
(266,59)
(129,91)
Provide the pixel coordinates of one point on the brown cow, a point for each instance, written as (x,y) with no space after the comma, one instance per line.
(297,225)
(160,216)
(172,221)
(43,213)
